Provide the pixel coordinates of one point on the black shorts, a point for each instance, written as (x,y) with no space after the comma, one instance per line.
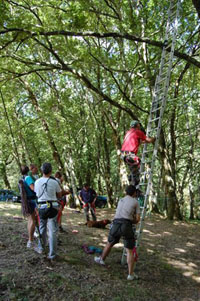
(122,228)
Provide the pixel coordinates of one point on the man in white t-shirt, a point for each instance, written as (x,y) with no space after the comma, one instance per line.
(48,191)
(127,214)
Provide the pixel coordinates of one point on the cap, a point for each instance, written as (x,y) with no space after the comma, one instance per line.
(134,123)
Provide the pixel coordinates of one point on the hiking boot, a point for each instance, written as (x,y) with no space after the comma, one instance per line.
(38,250)
(30,244)
(132,277)
(57,258)
(61,230)
(99,260)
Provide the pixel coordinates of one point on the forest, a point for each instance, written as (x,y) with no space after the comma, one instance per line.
(73,74)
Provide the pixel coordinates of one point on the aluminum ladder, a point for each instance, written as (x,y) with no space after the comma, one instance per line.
(159,100)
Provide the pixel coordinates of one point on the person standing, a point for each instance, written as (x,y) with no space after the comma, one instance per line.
(48,192)
(126,216)
(88,197)
(62,201)
(30,209)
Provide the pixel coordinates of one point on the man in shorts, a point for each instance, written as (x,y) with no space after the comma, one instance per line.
(127,214)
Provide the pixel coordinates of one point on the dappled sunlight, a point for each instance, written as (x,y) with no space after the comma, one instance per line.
(167,233)
(149,224)
(120,245)
(152,234)
(196,278)
(191,264)
(150,251)
(189,244)
(178,245)
(151,245)
(7,205)
(180,250)
(167,254)
(8,214)
(147,231)
(188,269)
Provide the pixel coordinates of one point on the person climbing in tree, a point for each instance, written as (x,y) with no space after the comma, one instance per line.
(88,197)
(132,140)
(126,216)
(62,201)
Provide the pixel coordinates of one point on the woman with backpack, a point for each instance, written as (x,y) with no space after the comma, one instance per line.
(29,200)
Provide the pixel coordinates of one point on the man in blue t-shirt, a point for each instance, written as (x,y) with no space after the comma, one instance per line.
(88,197)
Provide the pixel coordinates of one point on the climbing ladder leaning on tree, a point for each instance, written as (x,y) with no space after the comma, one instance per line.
(159,100)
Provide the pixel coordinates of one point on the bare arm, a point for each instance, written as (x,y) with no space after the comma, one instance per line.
(65,192)
(59,195)
(150,140)
(31,187)
(137,218)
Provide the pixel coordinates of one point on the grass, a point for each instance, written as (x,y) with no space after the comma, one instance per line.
(27,276)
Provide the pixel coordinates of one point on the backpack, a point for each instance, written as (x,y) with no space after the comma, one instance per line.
(26,194)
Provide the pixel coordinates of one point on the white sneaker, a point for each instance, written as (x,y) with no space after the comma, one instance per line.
(36,234)
(38,250)
(132,277)
(30,244)
(99,260)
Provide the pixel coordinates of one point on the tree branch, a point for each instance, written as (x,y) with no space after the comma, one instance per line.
(126,36)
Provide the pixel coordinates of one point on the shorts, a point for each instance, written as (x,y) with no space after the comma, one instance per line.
(122,228)
(32,205)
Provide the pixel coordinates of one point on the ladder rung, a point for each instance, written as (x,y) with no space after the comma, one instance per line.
(168,46)
(153,129)
(164,72)
(166,64)
(173,13)
(157,118)
(159,87)
(148,151)
(155,104)
(143,184)
(154,110)
(157,101)
(160,81)
(173,6)
(146,162)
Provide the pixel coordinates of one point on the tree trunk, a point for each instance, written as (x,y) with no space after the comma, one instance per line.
(196,4)
(16,154)
(4,174)
(72,179)
(167,178)
(106,164)
(55,152)
(191,194)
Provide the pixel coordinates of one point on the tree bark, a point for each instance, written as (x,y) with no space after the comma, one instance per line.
(5,177)
(196,4)
(167,178)
(52,144)
(106,164)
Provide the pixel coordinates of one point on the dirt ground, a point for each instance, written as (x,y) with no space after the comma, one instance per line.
(168,266)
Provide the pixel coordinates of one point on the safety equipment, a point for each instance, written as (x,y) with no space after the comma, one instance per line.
(134,123)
